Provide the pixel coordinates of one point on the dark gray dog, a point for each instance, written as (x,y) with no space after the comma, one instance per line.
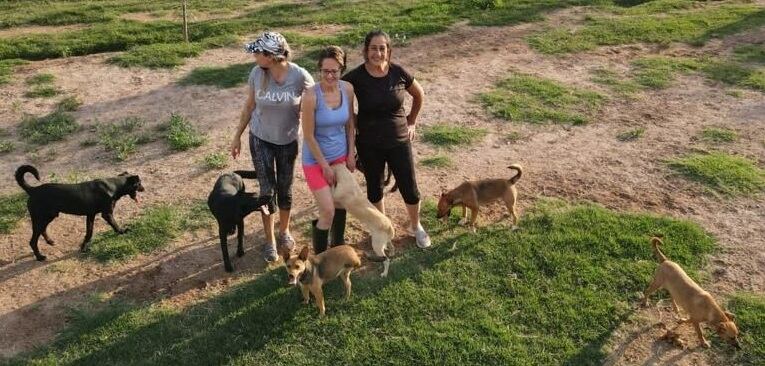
(230,204)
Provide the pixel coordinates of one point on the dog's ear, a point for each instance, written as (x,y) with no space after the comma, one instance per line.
(730,316)
(123,174)
(286,255)
(303,254)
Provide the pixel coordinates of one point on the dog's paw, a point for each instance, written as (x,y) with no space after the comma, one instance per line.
(706,344)
(51,242)
(40,257)
(229,268)
(463,221)
(240,253)
(515,228)
(123,231)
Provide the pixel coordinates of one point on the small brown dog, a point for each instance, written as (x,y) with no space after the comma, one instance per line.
(699,304)
(312,271)
(476,193)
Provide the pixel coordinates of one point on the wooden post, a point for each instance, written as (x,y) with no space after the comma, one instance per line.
(185,24)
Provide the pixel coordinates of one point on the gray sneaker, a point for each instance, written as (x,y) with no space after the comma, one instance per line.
(285,241)
(269,252)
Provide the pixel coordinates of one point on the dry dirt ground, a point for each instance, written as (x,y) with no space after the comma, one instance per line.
(576,163)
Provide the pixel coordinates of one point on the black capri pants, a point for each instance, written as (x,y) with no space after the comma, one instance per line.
(275,167)
(401,163)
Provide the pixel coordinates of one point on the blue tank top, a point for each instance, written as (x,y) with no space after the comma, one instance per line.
(329,128)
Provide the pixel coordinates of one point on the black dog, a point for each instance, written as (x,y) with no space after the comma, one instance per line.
(230,204)
(90,198)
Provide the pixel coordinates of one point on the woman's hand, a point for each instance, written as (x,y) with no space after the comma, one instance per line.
(329,175)
(411,129)
(350,162)
(236,147)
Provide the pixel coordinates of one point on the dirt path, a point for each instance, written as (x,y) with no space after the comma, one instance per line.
(570,162)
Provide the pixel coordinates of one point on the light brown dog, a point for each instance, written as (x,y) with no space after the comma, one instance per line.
(473,194)
(312,271)
(347,193)
(699,304)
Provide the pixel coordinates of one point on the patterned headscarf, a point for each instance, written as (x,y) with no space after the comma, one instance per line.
(269,42)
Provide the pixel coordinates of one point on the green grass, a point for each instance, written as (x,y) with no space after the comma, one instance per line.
(121,138)
(155,228)
(736,74)
(451,135)
(108,33)
(215,160)
(525,98)
(653,24)
(222,77)
(551,293)
(715,134)
(69,104)
(40,79)
(6,69)
(615,82)
(162,55)
(750,53)
(724,173)
(42,91)
(12,209)
(658,72)
(631,135)
(750,319)
(53,127)
(182,135)
(437,161)
(6,147)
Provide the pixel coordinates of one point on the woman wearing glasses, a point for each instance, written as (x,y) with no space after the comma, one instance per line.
(328,139)
(272,113)
(385,130)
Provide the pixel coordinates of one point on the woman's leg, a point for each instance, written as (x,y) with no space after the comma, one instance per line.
(373,162)
(263,159)
(401,163)
(285,172)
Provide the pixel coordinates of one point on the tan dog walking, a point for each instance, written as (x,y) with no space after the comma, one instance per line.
(699,304)
(473,194)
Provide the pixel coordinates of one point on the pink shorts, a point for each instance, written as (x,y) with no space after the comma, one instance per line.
(314,176)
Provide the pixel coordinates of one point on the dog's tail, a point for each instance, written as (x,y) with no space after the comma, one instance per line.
(517,176)
(24,169)
(655,242)
(387,181)
(246,174)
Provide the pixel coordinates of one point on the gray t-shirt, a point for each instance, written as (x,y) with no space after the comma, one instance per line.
(276,117)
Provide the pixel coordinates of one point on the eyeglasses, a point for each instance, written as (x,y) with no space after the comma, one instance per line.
(330,71)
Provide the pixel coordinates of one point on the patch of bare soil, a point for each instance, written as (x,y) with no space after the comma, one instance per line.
(40,29)
(576,163)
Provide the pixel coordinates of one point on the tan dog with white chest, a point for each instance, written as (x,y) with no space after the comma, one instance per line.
(473,194)
(347,193)
(699,304)
(312,271)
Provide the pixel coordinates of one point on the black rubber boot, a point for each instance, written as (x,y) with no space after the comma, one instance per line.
(319,238)
(338,228)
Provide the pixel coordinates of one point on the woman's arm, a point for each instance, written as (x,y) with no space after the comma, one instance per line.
(244,120)
(418,94)
(350,128)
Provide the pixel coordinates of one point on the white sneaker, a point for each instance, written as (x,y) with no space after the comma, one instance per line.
(421,237)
